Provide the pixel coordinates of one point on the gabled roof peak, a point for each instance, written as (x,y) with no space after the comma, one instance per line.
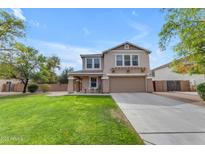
(127,42)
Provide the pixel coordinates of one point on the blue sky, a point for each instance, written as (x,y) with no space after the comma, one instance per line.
(68,33)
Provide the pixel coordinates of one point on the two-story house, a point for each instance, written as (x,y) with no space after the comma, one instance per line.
(123,68)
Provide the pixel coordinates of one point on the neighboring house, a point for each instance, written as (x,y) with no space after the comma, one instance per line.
(123,68)
(7,85)
(165,73)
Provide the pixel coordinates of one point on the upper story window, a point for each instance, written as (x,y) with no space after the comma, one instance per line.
(134,60)
(93,63)
(89,63)
(96,63)
(127,60)
(119,61)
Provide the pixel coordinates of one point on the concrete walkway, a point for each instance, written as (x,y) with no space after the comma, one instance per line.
(63,93)
(57,93)
(161,120)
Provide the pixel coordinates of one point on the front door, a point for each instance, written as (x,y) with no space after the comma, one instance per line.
(78,85)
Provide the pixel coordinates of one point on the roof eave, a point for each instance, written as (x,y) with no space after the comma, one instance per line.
(106,51)
(85,74)
(162,66)
(90,55)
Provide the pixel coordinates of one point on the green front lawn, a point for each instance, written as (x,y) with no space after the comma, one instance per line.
(40,119)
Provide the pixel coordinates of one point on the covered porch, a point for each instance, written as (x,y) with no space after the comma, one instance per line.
(85,82)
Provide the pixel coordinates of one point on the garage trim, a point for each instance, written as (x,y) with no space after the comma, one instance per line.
(129,75)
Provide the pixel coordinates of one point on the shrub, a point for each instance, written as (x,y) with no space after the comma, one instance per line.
(45,87)
(201,90)
(32,88)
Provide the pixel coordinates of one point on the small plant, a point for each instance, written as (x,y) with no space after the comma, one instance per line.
(142,69)
(201,90)
(32,88)
(113,70)
(45,87)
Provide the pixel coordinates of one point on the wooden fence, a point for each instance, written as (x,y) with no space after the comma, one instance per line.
(163,85)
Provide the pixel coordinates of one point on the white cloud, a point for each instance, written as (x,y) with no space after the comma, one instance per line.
(159,52)
(69,54)
(86,31)
(34,23)
(134,13)
(141,30)
(19,13)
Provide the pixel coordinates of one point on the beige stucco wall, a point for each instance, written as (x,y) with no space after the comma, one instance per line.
(109,60)
(167,74)
(105,85)
(150,87)
(84,62)
(85,84)
(70,85)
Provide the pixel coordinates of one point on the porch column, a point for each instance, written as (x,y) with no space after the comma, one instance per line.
(105,84)
(71,84)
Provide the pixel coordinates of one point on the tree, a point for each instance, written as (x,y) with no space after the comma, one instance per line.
(10,29)
(187,28)
(21,63)
(52,64)
(63,78)
(47,73)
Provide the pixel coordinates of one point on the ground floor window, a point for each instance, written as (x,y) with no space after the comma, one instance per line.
(93,82)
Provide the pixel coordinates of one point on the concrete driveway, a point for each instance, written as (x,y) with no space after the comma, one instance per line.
(161,120)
